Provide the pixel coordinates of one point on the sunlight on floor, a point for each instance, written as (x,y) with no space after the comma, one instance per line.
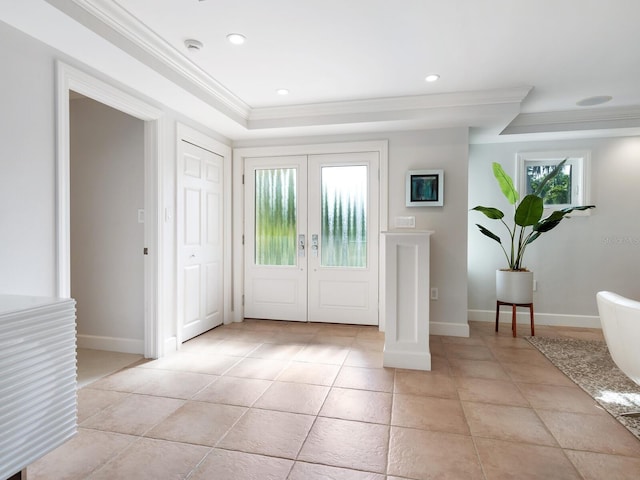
(618,398)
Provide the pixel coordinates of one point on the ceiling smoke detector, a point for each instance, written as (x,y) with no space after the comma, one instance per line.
(193,45)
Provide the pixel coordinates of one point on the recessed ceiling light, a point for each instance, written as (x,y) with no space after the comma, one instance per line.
(282,91)
(193,45)
(236,38)
(432,77)
(591,101)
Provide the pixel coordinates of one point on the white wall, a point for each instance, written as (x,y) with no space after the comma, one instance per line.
(27,167)
(426,149)
(107,189)
(583,254)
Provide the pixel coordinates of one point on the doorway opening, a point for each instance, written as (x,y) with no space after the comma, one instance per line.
(107,236)
(72,79)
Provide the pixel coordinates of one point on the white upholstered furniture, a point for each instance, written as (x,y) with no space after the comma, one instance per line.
(620,318)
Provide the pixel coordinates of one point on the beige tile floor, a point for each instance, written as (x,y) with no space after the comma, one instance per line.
(270,400)
(95,364)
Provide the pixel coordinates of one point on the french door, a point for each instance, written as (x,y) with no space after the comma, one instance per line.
(311,238)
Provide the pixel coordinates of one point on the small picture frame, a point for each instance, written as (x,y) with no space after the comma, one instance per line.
(425,188)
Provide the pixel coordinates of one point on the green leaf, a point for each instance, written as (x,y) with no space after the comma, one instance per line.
(550,222)
(492,213)
(556,217)
(489,234)
(546,225)
(533,237)
(529,212)
(506,184)
(549,177)
(581,207)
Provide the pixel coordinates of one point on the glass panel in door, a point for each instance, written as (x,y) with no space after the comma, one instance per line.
(275,216)
(344,216)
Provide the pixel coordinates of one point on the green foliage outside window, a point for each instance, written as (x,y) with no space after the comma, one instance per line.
(557,191)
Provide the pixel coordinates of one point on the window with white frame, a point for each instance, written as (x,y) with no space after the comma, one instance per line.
(569,188)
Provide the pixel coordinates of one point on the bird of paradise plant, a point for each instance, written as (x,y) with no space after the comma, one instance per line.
(528,224)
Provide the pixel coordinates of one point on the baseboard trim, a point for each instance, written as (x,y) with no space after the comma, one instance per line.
(522,316)
(408,360)
(111,344)
(449,329)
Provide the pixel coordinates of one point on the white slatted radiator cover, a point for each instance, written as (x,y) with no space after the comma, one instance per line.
(37,378)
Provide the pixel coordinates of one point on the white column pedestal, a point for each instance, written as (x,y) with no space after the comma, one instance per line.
(406,343)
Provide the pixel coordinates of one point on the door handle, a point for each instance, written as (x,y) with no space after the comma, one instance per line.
(301,245)
(314,244)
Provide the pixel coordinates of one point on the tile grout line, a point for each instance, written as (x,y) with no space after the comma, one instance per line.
(318,413)
(393,398)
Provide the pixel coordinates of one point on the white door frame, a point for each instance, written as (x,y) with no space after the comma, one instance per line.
(239,154)
(70,78)
(193,136)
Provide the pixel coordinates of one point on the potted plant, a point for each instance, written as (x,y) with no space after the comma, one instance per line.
(514,284)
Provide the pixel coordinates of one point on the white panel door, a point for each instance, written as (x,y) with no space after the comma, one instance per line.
(200,273)
(343,235)
(311,238)
(275,259)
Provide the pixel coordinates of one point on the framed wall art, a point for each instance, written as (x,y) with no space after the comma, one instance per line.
(425,188)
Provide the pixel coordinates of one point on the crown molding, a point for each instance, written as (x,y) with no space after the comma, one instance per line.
(476,108)
(395,104)
(571,120)
(114,16)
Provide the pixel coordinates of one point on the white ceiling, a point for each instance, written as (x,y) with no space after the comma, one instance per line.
(359,65)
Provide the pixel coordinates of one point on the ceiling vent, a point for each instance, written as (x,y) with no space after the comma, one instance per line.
(193,45)
(592,101)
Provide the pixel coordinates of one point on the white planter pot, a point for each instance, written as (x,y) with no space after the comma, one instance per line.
(514,287)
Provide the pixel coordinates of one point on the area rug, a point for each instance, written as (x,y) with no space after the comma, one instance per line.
(589,365)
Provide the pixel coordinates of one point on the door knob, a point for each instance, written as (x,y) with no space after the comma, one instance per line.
(301,245)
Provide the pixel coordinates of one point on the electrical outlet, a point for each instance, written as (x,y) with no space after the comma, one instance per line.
(434,293)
